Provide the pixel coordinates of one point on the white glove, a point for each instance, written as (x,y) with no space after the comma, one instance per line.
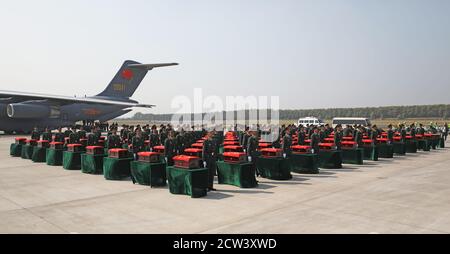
(204,164)
(312,150)
(284,155)
(250,158)
(165,158)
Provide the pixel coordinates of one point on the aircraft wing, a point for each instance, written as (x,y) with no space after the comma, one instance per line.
(62,100)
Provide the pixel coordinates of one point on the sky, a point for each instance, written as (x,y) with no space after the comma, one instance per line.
(312,54)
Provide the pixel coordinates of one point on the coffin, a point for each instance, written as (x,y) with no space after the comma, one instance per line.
(368,142)
(230,143)
(151,157)
(197,152)
(118,153)
(328,140)
(271,152)
(327,146)
(158,149)
(348,144)
(32,142)
(234,157)
(186,161)
(233,149)
(56,145)
(21,141)
(197,145)
(95,150)
(382,140)
(74,148)
(43,144)
(298,149)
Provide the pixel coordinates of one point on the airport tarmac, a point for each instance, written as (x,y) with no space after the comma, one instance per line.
(409,194)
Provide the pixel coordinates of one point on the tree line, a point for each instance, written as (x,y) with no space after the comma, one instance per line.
(399,112)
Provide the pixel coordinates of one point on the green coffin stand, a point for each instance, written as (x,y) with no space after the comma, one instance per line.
(116,169)
(371,153)
(192,182)
(330,159)
(39,154)
(27,152)
(15,150)
(385,151)
(150,174)
(442,143)
(240,175)
(274,168)
(353,156)
(424,145)
(54,157)
(399,148)
(411,146)
(304,163)
(72,160)
(92,164)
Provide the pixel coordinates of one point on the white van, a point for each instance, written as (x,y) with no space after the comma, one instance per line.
(310,121)
(345,121)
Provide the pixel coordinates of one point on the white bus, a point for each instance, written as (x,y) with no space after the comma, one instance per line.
(310,121)
(347,121)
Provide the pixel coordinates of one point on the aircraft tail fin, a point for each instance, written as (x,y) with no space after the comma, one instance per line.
(128,78)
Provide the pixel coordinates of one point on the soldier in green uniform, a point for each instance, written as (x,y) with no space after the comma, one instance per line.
(338,134)
(113,140)
(390,134)
(169,148)
(421,130)
(301,135)
(374,133)
(47,135)
(287,143)
(146,132)
(181,142)
(137,143)
(59,136)
(252,150)
(358,137)
(35,134)
(82,133)
(163,135)
(154,139)
(73,138)
(412,130)
(209,157)
(68,132)
(402,132)
(315,140)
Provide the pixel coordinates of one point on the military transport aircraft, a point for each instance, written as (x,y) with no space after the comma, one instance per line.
(21,111)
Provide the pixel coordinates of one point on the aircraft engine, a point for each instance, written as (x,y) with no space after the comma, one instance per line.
(31,111)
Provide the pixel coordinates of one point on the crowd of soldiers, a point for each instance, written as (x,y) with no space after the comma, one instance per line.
(317,134)
(176,141)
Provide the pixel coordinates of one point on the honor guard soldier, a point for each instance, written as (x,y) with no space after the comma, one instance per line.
(338,134)
(137,143)
(252,150)
(412,130)
(301,135)
(113,140)
(59,136)
(287,143)
(68,132)
(358,138)
(180,140)
(169,149)
(315,140)
(163,135)
(154,139)
(82,133)
(374,134)
(390,134)
(35,134)
(421,130)
(209,157)
(403,133)
(73,138)
(47,135)
(146,133)
(445,131)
